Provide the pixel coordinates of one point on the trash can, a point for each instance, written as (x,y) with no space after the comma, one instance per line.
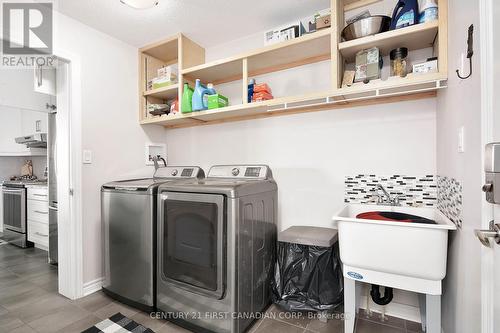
(308,272)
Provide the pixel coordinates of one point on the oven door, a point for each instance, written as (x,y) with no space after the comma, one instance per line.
(192,242)
(14,209)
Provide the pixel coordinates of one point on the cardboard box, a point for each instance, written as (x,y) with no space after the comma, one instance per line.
(217,101)
(430,66)
(323,22)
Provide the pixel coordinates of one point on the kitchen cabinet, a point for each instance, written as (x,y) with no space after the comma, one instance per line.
(38,216)
(16,122)
(45,80)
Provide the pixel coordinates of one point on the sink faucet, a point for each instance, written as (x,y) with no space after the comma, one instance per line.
(389,199)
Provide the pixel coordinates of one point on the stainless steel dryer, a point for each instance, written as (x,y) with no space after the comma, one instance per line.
(128,213)
(216,248)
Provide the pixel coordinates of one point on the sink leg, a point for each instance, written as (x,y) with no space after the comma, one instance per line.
(350,304)
(421,302)
(433,313)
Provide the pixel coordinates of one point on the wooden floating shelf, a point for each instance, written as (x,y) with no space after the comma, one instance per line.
(402,89)
(354,4)
(168,92)
(165,50)
(323,45)
(300,51)
(414,37)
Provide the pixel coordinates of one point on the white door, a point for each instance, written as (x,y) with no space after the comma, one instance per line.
(490,86)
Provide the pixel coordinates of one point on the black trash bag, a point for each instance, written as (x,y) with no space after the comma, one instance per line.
(308,278)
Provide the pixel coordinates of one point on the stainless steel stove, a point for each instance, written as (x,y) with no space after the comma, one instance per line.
(14,214)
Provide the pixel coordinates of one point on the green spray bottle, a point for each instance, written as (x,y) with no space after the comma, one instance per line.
(187,97)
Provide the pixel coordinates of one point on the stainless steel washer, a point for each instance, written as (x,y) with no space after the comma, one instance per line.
(128,213)
(216,248)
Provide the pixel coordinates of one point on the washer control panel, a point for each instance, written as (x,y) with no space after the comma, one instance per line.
(240,171)
(180,172)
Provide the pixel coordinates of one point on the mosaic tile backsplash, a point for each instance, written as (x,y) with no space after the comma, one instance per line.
(412,190)
(417,191)
(450,199)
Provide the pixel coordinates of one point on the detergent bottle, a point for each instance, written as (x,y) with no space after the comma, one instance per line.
(199,92)
(210,91)
(429,11)
(187,99)
(405,14)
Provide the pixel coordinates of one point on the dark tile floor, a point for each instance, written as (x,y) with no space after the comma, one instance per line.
(29,302)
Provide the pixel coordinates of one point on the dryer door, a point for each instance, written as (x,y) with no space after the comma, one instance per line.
(191,242)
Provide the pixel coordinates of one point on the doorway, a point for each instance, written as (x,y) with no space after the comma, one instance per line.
(54,111)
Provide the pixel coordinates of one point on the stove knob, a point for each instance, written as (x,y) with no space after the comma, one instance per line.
(175,172)
(235,172)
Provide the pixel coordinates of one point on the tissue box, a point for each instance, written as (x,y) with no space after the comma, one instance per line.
(162,82)
(170,71)
(284,33)
(216,101)
(430,66)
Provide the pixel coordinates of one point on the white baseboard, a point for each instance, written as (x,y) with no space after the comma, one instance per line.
(92,286)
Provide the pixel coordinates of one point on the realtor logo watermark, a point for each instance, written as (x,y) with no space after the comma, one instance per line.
(28,34)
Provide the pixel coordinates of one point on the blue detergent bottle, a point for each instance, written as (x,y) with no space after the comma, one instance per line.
(405,14)
(199,92)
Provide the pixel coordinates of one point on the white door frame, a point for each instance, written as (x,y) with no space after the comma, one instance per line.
(70,246)
(487,94)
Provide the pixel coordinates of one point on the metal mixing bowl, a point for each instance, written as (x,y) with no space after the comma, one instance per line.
(367,26)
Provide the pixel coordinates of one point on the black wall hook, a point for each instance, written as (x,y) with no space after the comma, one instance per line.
(470,52)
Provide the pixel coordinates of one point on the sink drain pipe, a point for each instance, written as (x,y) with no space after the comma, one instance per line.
(375,294)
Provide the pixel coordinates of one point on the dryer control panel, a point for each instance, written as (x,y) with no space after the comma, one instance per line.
(240,171)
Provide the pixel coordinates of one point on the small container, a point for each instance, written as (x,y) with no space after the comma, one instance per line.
(398,61)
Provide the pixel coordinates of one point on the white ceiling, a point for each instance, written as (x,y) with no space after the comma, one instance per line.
(208,22)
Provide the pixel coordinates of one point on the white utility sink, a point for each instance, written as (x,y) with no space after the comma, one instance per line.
(404,255)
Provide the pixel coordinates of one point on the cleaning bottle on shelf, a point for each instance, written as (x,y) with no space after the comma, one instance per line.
(250,90)
(187,98)
(199,92)
(429,11)
(405,14)
(210,91)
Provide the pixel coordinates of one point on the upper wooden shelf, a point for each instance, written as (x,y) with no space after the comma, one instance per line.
(165,50)
(422,86)
(414,37)
(354,4)
(307,49)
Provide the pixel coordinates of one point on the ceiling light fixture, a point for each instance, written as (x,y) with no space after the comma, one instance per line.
(140,4)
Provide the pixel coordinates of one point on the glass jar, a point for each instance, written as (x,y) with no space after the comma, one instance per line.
(398,61)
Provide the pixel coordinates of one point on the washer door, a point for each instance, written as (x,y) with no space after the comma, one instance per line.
(192,238)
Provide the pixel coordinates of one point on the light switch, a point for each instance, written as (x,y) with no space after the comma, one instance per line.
(87,157)
(461,140)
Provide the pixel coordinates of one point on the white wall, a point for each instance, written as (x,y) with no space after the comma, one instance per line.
(110,126)
(459,105)
(311,153)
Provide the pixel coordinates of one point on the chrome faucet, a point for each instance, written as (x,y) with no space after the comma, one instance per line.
(389,199)
(155,160)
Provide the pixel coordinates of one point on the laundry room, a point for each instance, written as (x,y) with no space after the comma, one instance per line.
(230,167)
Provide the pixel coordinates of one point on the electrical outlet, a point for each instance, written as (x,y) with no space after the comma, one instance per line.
(461,140)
